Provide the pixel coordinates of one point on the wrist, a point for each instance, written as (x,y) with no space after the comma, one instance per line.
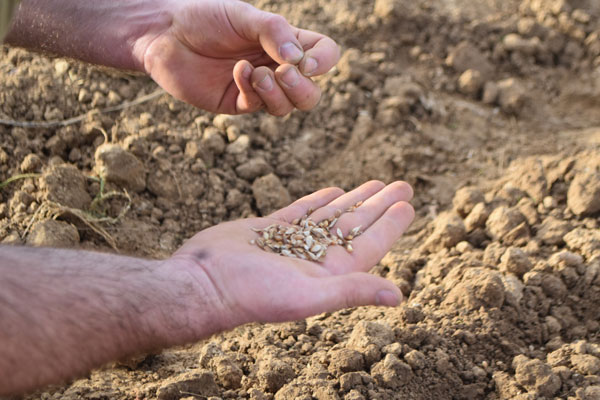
(192,308)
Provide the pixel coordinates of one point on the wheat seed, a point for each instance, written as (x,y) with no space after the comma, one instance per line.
(306,239)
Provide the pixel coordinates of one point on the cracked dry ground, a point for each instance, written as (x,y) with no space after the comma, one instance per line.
(491,110)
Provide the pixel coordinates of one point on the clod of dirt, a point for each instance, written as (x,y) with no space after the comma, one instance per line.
(477,217)
(466,56)
(470,82)
(253,168)
(65,185)
(387,8)
(31,163)
(162,184)
(515,261)
(587,241)
(552,230)
(536,376)
(391,372)
(415,359)
(584,193)
(466,199)
(272,374)
(345,360)
(270,194)
(117,165)
(490,93)
(502,221)
(199,383)
(478,287)
(213,141)
(369,338)
(527,46)
(449,230)
(511,96)
(52,233)
(586,364)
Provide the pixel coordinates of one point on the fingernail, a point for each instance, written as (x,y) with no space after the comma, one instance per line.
(387,298)
(310,66)
(291,77)
(290,52)
(247,72)
(266,83)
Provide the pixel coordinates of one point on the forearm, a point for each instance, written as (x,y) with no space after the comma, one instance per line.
(65,312)
(106,32)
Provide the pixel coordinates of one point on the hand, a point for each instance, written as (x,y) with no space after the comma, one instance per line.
(249,284)
(226,56)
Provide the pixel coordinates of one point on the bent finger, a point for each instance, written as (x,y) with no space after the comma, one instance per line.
(271,94)
(248,100)
(321,53)
(346,201)
(302,92)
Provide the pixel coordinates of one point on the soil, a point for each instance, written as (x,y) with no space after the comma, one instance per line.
(490,109)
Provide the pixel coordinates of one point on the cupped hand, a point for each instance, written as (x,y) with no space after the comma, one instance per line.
(250,284)
(226,56)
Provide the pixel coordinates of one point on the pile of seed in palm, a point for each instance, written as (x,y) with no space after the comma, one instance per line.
(306,239)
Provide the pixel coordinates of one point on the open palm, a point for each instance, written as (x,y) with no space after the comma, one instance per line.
(254,285)
(229,57)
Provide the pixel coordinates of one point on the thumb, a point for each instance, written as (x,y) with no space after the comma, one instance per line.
(272,31)
(356,289)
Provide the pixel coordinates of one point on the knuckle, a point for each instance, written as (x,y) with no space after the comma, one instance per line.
(274,21)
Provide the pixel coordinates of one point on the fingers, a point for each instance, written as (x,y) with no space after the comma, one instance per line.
(377,240)
(321,53)
(356,289)
(342,203)
(247,100)
(373,207)
(302,92)
(313,201)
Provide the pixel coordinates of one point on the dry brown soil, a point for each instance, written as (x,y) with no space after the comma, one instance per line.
(500,99)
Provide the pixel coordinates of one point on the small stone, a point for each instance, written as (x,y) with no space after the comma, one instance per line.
(515,261)
(470,82)
(464,247)
(52,233)
(117,165)
(270,194)
(31,163)
(583,197)
(61,67)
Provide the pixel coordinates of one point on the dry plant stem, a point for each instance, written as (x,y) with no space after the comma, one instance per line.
(305,239)
(83,117)
(16,178)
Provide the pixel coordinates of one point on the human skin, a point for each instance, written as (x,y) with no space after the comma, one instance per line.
(223,56)
(65,312)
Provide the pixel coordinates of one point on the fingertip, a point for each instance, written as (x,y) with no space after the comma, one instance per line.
(404,212)
(247,100)
(388,297)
